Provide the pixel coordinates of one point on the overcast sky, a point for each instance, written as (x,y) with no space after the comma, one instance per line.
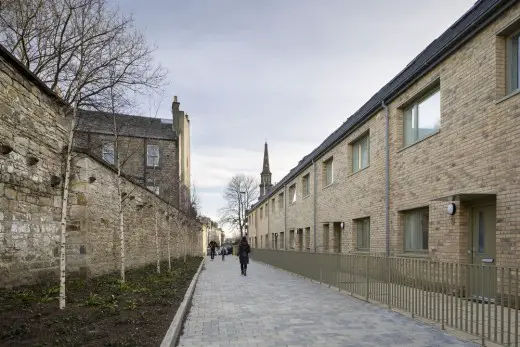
(286,71)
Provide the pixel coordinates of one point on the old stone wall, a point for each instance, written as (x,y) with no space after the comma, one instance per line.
(33,135)
(94,233)
(30,130)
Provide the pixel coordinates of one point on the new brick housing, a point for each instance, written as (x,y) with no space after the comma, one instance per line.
(470,160)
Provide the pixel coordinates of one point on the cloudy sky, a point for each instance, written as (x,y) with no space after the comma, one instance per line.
(286,71)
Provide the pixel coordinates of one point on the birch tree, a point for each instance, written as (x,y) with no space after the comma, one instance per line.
(73,46)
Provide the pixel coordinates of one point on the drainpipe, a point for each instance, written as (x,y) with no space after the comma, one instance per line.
(285,217)
(315,193)
(387,178)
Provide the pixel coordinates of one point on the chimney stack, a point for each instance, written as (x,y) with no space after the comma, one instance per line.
(175,104)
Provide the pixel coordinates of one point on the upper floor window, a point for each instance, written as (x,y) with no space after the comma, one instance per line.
(422,118)
(416,227)
(361,153)
(152,155)
(328,172)
(108,154)
(272,205)
(292,193)
(513,62)
(261,212)
(280,201)
(306,186)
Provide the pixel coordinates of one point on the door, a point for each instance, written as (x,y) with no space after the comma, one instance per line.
(483,272)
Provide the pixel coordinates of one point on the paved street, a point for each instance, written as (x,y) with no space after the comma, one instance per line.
(271,307)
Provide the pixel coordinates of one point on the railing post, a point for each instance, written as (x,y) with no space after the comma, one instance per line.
(388,282)
(367,281)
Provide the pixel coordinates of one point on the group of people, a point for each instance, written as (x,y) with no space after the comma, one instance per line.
(243,253)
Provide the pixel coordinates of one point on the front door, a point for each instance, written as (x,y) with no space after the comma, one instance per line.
(483,271)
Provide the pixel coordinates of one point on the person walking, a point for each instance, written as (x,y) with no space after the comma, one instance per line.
(243,255)
(223,251)
(213,245)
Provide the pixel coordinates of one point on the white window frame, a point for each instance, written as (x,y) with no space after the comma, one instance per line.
(150,157)
(357,153)
(108,152)
(326,182)
(412,112)
(292,193)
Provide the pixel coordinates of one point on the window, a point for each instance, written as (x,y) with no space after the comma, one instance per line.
(280,201)
(152,155)
(513,62)
(361,153)
(416,230)
(291,239)
(363,234)
(108,152)
(261,212)
(306,185)
(328,172)
(292,193)
(422,118)
(272,205)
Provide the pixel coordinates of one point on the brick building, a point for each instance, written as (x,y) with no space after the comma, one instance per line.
(427,167)
(152,151)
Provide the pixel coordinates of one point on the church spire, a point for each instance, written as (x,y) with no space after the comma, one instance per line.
(265,176)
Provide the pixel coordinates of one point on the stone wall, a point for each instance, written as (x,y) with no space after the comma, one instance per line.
(33,131)
(30,125)
(94,233)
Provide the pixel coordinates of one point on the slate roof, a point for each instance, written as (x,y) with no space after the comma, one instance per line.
(137,126)
(477,17)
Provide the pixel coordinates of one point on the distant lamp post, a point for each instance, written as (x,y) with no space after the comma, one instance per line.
(243,203)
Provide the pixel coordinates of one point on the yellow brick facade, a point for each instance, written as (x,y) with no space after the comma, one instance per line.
(476,151)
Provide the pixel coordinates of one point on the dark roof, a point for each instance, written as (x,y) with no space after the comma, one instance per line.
(22,69)
(137,126)
(478,16)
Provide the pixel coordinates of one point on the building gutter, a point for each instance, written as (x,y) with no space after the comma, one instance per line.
(387,177)
(314,203)
(285,216)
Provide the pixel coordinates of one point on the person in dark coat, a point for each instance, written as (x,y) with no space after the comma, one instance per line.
(243,255)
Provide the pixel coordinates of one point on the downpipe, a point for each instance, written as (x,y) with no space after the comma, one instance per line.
(387,178)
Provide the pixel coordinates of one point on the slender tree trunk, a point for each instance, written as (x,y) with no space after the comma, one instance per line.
(64,212)
(156,235)
(168,243)
(121,225)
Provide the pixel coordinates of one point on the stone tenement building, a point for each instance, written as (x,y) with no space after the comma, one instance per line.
(34,125)
(154,152)
(443,135)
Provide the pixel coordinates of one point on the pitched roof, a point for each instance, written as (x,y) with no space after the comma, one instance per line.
(477,17)
(127,125)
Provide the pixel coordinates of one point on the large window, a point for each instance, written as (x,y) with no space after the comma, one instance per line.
(108,154)
(273,205)
(513,62)
(325,240)
(280,201)
(306,185)
(328,172)
(292,193)
(361,153)
(422,118)
(152,155)
(363,234)
(416,226)
(261,213)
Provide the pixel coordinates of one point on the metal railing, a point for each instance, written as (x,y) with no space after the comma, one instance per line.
(479,299)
